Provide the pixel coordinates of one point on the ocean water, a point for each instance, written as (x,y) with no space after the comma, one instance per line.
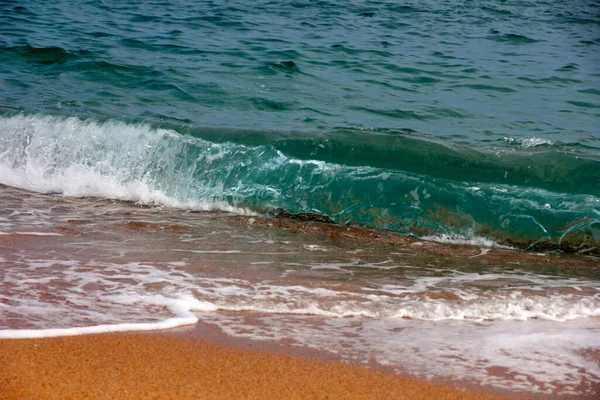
(425,118)
(142,145)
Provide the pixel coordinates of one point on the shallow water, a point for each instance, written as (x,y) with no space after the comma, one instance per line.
(523,322)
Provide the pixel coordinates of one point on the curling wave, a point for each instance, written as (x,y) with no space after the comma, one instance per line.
(414,186)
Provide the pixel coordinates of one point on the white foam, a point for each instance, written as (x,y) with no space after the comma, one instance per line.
(314,247)
(441,334)
(83,181)
(112,294)
(516,307)
(126,327)
(533,141)
(529,142)
(181,307)
(465,240)
(111,160)
(38,233)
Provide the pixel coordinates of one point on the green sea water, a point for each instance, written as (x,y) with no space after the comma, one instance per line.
(446,119)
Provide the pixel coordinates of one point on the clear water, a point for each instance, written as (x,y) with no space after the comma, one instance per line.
(419,117)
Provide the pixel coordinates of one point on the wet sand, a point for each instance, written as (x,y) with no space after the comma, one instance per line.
(167,366)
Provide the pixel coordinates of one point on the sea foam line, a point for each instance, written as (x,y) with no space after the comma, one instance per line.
(465,240)
(181,307)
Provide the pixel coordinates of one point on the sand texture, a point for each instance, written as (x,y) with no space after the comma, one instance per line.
(157,366)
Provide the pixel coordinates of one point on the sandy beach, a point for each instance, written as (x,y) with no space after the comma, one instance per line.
(164,366)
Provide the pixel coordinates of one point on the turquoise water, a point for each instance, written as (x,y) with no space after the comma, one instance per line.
(431,118)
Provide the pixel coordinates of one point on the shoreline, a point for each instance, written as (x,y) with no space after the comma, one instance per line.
(206,332)
(177,364)
(258,257)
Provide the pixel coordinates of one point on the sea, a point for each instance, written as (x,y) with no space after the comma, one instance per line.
(163,163)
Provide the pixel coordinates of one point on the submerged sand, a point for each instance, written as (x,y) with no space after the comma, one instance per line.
(162,366)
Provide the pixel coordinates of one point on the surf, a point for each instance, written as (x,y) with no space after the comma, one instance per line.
(382,180)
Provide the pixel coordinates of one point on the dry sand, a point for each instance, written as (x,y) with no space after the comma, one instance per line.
(163,366)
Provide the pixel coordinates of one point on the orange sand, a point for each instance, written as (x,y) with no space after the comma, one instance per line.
(159,366)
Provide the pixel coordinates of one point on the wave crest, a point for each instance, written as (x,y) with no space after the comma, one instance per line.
(344,177)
